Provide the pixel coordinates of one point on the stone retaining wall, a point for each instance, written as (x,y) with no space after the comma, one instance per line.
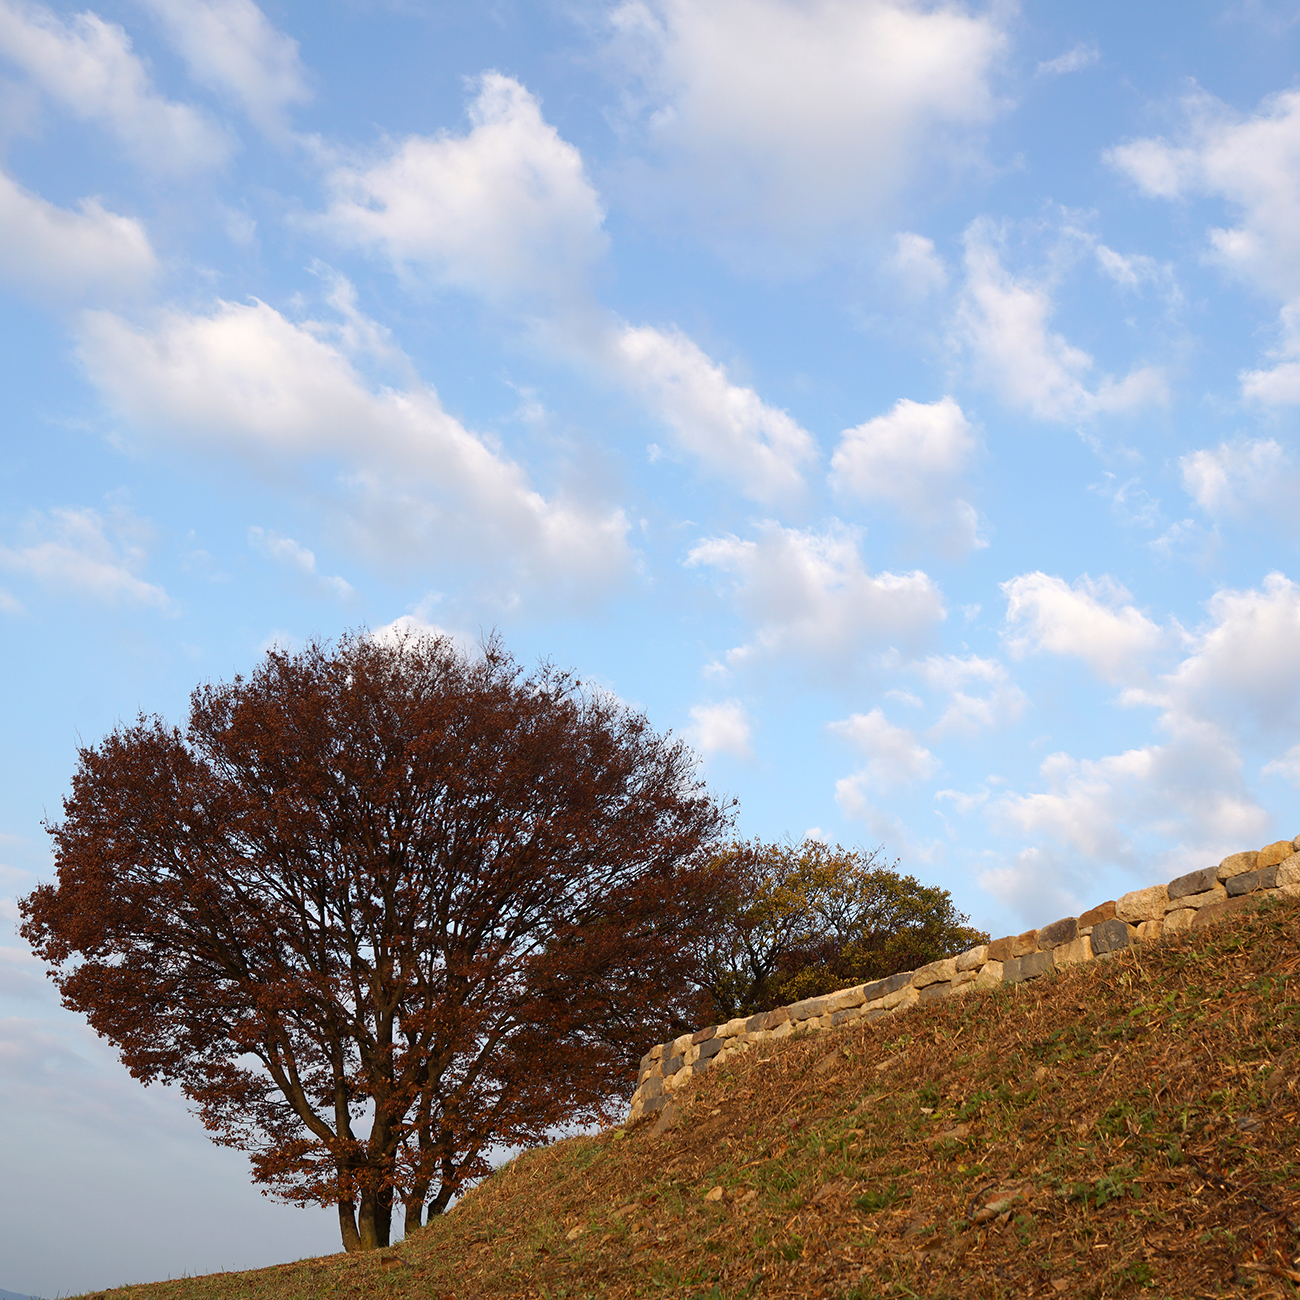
(1197,899)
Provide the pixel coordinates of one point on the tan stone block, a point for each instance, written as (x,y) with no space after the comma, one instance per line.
(733,1028)
(1142,904)
(1271,854)
(1288,875)
(901,999)
(1149,931)
(680,1044)
(990,976)
(963,977)
(973,958)
(937,972)
(1237,864)
(1296,843)
(1180,920)
(1077,950)
(1096,915)
(782,1030)
(1218,894)
(845,998)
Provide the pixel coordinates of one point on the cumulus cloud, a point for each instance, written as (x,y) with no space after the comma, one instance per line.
(1243,479)
(1073,60)
(1252,163)
(505,211)
(1242,672)
(912,457)
(284,550)
(1003,323)
(1249,161)
(894,758)
(57,254)
(1188,793)
(916,267)
(808,593)
(231,47)
(723,728)
(411,481)
(1286,765)
(1237,683)
(91,554)
(89,68)
(729,428)
(967,713)
(794,123)
(1093,620)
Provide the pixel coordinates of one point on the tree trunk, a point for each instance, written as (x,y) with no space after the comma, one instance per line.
(414,1208)
(375,1220)
(348,1226)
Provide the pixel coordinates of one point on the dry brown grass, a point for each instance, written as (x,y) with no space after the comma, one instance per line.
(1126,1128)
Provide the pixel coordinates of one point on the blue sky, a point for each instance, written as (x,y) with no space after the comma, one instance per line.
(895,399)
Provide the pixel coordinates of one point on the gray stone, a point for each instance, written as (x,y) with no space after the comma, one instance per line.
(652,1087)
(1028,967)
(775,1019)
(672,1066)
(933,992)
(1109,936)
(755,1023)
(703,1035)
(1059,932)
(1195,882)
(1252,880)
(843,1017)
(710,1048)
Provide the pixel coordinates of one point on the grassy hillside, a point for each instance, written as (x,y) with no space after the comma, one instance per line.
(1127,1127)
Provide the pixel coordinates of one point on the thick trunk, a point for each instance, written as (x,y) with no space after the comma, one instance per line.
(375,1220)
(414,1207)
(348,1226)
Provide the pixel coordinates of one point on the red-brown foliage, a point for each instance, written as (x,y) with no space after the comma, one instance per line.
(383,884)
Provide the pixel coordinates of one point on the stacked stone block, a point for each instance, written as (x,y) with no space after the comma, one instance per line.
(1191,901)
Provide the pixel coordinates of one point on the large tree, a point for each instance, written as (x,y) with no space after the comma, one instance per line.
(382,906)
(803,919)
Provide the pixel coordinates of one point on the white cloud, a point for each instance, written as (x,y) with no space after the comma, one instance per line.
(721,729)
(1187,793)
(84,551)
(1252,163)
(410,479)
(505,211)
(894,755)
(1094,620)
(1075,60)
(231,47)
(1278,384)
(286,551)
(968,714)
(796,122)
(919,271)
(1003,322)
(1243,479)
(912,456)
(88,66)
(54,253)
(1238,681)
(729,428)
(10,604)
(808,593)
(1243,672)
(1287,766)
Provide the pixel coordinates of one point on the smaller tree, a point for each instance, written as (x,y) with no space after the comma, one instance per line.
(809,918)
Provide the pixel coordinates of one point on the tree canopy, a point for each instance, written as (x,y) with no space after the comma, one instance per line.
(808,918)
(381,906)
